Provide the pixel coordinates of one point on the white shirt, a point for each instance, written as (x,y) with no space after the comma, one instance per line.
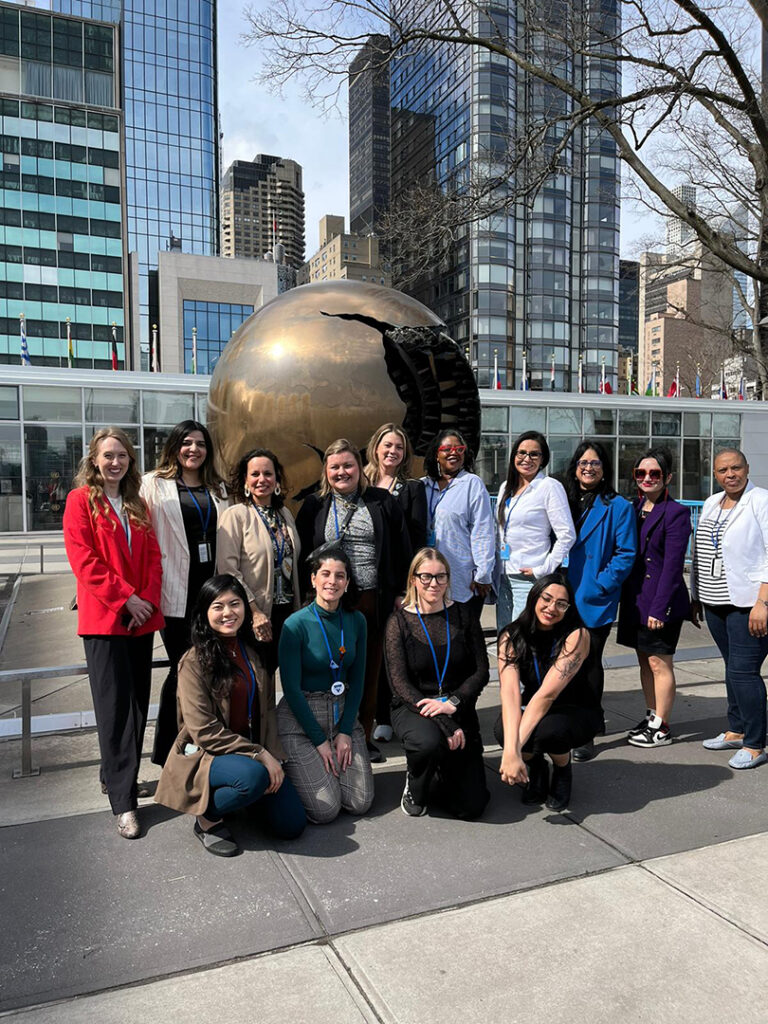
(530,520)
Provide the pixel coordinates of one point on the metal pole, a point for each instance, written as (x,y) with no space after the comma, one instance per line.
(26,733)
(42,569)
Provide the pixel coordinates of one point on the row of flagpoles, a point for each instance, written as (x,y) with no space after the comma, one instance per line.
(154,354)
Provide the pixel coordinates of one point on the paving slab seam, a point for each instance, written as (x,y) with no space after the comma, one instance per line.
(350,978)
(300,896)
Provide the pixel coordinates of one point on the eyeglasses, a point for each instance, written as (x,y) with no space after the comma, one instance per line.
(446,449)
(654,475)
(533,456)
(560,606)
(589,464)
(425,578)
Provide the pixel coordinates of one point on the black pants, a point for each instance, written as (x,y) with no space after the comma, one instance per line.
(598,636)
(120,673)
(461,772)
(176,639)
(563,728)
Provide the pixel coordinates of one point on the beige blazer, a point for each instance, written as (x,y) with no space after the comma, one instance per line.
(244,548)
(204,722)
(162,498)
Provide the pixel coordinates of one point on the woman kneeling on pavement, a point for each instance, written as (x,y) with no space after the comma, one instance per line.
(437,664)
(548,706)
(227,754)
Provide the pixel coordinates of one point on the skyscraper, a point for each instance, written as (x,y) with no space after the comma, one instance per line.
(262,205)
(369,136)
(168,74)
(537,273)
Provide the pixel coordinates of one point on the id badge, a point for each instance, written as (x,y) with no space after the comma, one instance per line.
(204,552)
(505,553)
(717,567)
(337,688)
(431,538)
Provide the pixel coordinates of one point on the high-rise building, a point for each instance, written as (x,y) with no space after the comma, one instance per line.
(629,304)
(680,234)
(341,255)
(63,257)
(537,274)
(262,205)
(168,78)
(369,136)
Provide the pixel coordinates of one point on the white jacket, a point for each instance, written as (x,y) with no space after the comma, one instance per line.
(162,498)
(744,544)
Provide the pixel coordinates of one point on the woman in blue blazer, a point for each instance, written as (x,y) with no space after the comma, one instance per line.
(602,557)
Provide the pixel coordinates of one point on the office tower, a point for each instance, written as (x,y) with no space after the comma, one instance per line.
(262,205)
(168,73)
(63,256)
(345,256)
(679,234)
(534,273)
(369,136)
(629,304)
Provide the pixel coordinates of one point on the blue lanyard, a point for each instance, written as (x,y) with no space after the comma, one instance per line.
(718,532)
(335,668)
(276,534)
(207,522)
(252,687)
(435,490)
(440,675)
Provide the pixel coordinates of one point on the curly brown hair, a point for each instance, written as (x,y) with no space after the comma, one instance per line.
(89,476)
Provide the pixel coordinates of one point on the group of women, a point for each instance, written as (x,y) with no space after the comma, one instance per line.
(387,636)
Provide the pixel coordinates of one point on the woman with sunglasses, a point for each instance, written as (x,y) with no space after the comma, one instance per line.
(548,705)
(460,519)
(535,529)
(602,556)
(438,665)
(654,600)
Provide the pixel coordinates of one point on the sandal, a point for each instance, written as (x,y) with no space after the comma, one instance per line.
(217,840)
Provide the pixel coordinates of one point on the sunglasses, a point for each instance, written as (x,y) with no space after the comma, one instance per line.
(654,475)
(447,449)
(425,578)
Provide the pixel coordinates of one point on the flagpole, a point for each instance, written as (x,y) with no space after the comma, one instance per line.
(495,369)
(581,375)
(629,375)
(25,360)
(114,344)
(552,374)
(698,380)
(70,348)
(677,381)
(194,350)
(154,364)
(602,375)
(525,369)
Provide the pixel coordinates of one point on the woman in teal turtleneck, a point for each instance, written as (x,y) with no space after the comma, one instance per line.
(322,667)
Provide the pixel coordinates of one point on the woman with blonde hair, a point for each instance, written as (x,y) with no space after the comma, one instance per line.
(368,524)
(185,496)
(116,560)
(438,665)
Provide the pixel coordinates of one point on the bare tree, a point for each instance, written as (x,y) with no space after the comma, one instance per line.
(691,81)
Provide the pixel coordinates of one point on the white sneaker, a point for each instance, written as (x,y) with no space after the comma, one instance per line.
(383,732)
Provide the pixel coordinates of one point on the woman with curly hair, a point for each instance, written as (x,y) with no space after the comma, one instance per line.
(116,560)
(227,754)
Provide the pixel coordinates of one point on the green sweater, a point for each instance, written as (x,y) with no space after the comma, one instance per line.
(304,664)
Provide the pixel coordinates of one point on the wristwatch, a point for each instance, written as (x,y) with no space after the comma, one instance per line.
(454,700)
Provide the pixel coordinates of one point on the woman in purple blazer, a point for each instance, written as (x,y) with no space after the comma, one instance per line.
(654,601)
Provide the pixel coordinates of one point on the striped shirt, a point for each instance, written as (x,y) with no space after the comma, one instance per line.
(711,589)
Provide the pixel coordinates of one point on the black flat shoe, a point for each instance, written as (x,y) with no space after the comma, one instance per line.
(560,788)
(538,780)
(585,753)
(374,754)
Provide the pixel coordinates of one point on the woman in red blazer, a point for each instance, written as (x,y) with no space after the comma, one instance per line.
(116,559)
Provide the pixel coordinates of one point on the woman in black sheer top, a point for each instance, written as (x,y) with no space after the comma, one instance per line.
(437,665)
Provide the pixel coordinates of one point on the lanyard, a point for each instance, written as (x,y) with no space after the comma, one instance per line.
(435,490)
(205,524)
(277,535)
(717,531)
(440,675)
(335,668)
(251,688)
(352,510)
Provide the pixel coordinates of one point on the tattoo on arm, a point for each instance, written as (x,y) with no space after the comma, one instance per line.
(569,665)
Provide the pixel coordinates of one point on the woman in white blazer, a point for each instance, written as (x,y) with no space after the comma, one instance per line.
(258,543)
(729,581)
(185,495)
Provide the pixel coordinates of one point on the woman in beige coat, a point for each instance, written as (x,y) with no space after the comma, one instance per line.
(227,753)
(257,542)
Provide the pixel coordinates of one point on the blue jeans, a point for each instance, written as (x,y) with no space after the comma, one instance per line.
(238,781)
(743,655)
(513,593)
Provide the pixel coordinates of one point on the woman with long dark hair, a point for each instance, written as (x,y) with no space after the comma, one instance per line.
(460,520)
(227,755)
(534,525)
(185,496)
(654,600)
(548,706)
(116,560)
(602,555)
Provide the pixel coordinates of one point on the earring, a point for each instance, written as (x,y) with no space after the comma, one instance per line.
(278,490)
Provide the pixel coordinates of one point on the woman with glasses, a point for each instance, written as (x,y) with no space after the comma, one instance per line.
(438,665)
(460,519)
(602,556)
(534,525)
(654,600)
(548,705)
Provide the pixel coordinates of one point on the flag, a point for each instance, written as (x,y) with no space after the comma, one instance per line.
(741,385)
(606,388)
(496,375)
(70,349)
(194,350)
(723,388)
(114,345)
(672,393)
(698,382)
(651,389)
(552,374)
(25,360)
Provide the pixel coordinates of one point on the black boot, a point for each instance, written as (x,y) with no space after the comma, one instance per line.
(560,788)
(538,780)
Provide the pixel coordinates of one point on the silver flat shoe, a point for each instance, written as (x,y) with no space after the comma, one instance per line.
(128,825)
(721,743)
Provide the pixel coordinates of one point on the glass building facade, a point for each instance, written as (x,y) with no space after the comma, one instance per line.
(169,88)
(62,230)
(216,322)
(540,274)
